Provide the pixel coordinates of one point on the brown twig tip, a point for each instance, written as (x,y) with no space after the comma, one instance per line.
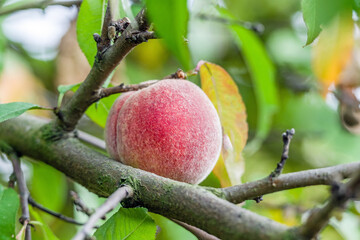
(179,74)
(286,137)
(121,25)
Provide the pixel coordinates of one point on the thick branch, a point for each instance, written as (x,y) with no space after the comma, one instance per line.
(321,176)
(188,203)
(105,63)
(34,4)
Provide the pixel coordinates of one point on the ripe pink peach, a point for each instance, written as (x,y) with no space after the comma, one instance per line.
(170,128)
(112,124)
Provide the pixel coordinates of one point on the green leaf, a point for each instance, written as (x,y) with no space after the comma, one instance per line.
(129,224)
(9,205)
(15,109)
(47,234)
(262,72)
(317,13)
(171,19)
(42,187)
(89,21)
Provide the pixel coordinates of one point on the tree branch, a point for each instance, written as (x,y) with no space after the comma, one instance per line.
(247,191)
(105,63)
(321,176)
(52,213)
(198,206)
(319,217)
(42,4)
(105,92)
(24,194)
(112,201)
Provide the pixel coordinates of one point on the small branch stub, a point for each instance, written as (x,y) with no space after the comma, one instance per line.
(286,137)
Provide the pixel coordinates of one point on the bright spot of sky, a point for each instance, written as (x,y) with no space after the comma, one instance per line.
(39,31)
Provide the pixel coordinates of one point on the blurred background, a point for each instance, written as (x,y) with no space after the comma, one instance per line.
(39,52)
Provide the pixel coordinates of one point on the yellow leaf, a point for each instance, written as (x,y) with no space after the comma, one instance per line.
(333,51)
(223,93)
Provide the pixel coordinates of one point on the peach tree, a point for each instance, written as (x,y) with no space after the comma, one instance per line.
(176,146)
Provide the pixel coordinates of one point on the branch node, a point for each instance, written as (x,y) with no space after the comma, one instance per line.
(179,74)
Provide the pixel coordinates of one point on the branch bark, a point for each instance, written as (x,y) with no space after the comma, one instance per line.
(192,204)
(104,64)
(321,176)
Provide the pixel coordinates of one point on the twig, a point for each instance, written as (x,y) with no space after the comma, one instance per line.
(286,136)
(55,214)
(80,205)
(340,196)
(24,194)
(321,176)
(200,234)
(256,27)
(41,4)
(113,200)
(105,92)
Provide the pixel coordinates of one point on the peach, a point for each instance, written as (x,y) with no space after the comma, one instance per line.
(111,125)
(170,128)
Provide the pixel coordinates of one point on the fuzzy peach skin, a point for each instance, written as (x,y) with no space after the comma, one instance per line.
(112,124)
(170,128)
